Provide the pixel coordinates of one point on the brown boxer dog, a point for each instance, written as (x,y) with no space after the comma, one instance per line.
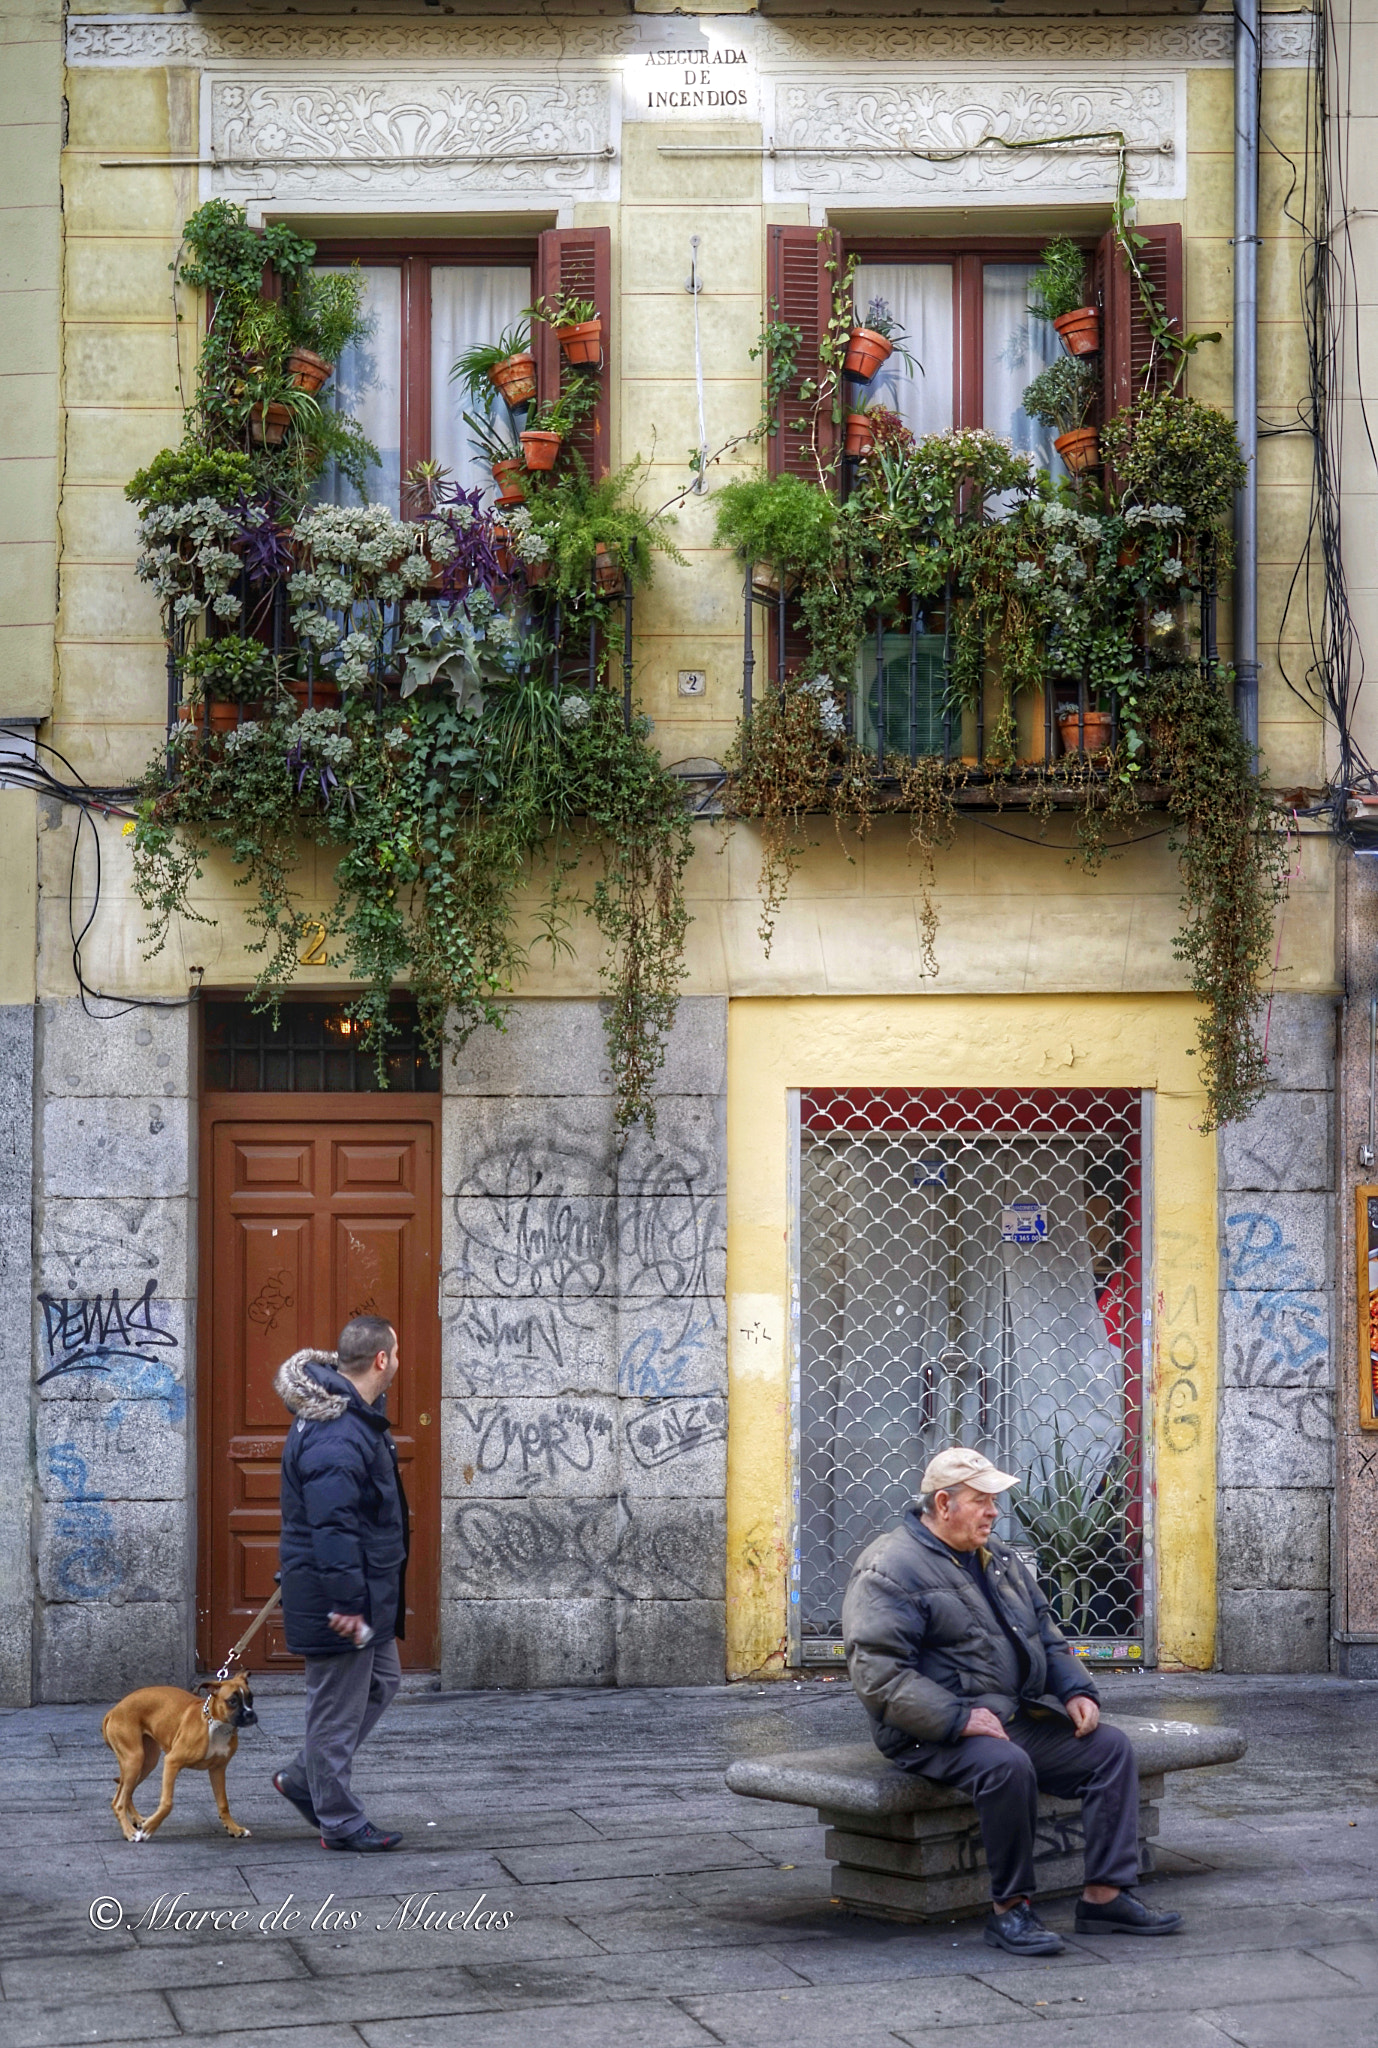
(188,1733)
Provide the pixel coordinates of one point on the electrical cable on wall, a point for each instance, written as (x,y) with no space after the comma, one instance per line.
(21,770)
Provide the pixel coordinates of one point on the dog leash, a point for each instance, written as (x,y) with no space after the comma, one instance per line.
(250,1632)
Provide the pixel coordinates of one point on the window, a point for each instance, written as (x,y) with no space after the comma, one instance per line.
(974,344)
(426,306)
(313,1048)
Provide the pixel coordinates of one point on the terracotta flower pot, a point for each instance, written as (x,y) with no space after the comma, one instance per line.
(1080,331)
(307,370)
(503,553)
(515,379)
(1078,449)
(1089,736)
(224,717)
(607,571)
(325,694)
(536,572)
(861,435)
(1128,556)
(268,426)
(866,351)
(583,342)
(540,447)
(508,478)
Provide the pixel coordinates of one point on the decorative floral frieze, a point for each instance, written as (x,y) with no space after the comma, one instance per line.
(151,39)
(972,137)
(328,138)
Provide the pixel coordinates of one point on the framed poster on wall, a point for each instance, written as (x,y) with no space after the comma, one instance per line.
(1366,1239)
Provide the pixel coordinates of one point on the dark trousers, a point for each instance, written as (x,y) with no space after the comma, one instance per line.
(345,1696)
(1004,1779)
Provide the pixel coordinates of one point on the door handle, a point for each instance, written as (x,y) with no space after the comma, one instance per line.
(424,1420)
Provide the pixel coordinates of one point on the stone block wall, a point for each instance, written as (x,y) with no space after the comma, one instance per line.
(113,1336)
(585,1381)
(1276,1443)
(16,1285)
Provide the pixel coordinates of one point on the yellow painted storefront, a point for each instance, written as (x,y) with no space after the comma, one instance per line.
(966,1042)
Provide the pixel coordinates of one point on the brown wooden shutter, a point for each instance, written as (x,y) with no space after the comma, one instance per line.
(799,292)
(577,260)
(1132,368)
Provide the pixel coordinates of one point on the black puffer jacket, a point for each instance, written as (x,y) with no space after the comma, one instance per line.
(920,1646)
(344,1514)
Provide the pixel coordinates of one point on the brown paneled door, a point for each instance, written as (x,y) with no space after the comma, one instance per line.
(317,1209)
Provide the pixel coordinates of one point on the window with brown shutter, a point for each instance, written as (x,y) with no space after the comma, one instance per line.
(425,298)
(799,293)
(577,260)
(1132,366)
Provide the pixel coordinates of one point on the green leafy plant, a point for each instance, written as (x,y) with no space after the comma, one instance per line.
(576,514)
(473,370)
(780,520)
(1169,449)
(182,476)
(1076,1513)
(1064,395)
(565,309)
(1058,286)
(325,312)
(578,399)
(230,670)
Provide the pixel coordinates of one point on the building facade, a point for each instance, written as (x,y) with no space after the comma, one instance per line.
(656,1392)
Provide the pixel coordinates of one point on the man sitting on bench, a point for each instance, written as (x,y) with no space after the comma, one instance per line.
(955,1655)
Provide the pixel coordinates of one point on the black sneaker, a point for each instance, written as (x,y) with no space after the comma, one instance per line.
(302,1802)
(1020,1930)
(367,1840)
(1126,1914)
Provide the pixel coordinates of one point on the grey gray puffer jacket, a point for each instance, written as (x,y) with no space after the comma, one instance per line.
(920,1643)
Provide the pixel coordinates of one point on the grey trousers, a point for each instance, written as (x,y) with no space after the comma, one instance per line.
(345,1696)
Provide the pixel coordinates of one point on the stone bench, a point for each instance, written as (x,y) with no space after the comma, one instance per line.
(904,1849)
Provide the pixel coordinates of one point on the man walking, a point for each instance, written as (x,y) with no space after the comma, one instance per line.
(956,1657)
(344,1552)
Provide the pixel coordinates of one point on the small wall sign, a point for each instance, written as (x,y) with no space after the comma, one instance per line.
(1024,1223)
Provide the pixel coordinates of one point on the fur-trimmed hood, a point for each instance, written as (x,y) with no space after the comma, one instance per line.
(298,1387)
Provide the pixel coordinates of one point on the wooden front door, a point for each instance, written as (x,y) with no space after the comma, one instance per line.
(316,1209)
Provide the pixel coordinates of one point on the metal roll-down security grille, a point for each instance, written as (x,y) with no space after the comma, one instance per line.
(970,1272)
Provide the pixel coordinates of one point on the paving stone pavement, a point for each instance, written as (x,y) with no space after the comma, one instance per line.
(601,1889)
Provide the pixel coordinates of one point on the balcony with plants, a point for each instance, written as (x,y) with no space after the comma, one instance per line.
(440,697)
(934,624)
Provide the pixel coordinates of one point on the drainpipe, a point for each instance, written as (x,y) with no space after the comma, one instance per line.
(1247,59)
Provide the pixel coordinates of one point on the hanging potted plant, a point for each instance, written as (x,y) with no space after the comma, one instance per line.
(506,366)
(556,420)
(223,678)
(503,458)
(1058,288)
(860,432)
(1086,732)
(872,341)
(780,525)
(578,327)
(1063,397)
(324,315)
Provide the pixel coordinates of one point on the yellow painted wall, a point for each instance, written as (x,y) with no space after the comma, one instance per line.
(936,1041)
(1015,915)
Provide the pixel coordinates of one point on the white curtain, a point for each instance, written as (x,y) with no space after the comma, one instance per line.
(1016,346)
(919,297)
(367,384)
(470,303)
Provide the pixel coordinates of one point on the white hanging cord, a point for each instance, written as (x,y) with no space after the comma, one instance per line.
(694,284)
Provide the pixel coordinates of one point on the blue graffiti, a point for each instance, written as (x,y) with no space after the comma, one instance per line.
(651,1366)
(1261,1251)
(89,1568)
(1293,1339)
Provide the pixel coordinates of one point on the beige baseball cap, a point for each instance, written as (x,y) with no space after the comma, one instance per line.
(964,1468)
